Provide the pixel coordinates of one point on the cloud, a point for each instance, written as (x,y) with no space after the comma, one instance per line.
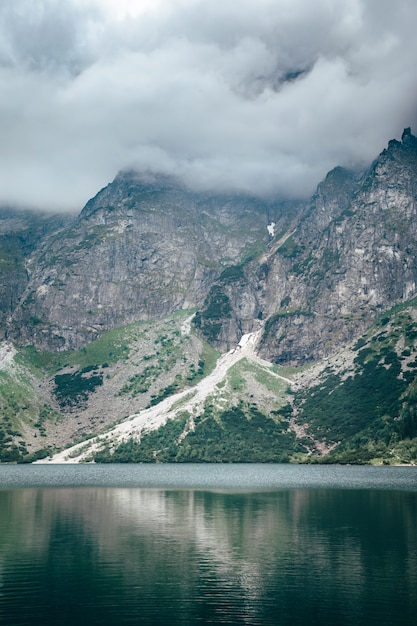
(258,95)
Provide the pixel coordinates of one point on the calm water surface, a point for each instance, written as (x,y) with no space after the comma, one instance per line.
(242,544)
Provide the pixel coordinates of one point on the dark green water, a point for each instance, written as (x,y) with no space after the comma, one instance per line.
(316,548)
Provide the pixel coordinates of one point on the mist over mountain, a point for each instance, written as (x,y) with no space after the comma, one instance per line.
(256,96)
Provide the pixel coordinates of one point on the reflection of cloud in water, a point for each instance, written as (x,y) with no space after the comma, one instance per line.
(231,540)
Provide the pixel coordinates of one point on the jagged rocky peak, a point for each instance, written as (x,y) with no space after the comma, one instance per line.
(350,257)
(391,182)
(336,190)
(409,140)
(130,187)
(336,178)
(402,152)
(143,247)
(332,197)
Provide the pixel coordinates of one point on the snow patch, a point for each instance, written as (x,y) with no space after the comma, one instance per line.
(186,326)
(271,229)
(244,340)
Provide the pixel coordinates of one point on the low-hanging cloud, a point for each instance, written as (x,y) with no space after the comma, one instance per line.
(262,96)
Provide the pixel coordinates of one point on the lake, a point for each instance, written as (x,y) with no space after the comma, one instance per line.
(207,544)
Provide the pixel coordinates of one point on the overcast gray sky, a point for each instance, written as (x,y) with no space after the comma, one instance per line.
(258,95)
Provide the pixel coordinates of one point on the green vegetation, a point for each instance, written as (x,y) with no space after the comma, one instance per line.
(369,413)
(164,393)
(289,249)
(156,350)
(159,358)
(113,346)
(371,452)
(163,439)
(20,409)
(237,377)
(239,434)
(252,251)
(74,388)
(407,425)
(208,359)
(217,304)
(140,383)
(9,451)
(369,401)
(216,309)
(231,274)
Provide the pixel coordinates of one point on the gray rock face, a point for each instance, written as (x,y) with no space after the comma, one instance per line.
(139,250)
(350,256)
(349,260)
(21,232)
(310,275)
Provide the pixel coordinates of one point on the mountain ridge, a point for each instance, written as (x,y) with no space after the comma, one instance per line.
(87,302)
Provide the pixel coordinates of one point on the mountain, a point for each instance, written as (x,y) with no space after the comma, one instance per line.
(118,315)
(142,248)
(350,256)
(21,233)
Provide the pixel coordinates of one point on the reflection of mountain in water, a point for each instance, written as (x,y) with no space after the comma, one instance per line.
(187,555)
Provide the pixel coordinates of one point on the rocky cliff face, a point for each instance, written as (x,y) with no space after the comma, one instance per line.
(21,232)
(350,256)
(344,273)
(310,275)
(139,250)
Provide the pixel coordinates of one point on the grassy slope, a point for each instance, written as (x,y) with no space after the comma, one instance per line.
(23,413)
(363,402)
(50,400)
(366,408)
(239,422)
(361,405)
